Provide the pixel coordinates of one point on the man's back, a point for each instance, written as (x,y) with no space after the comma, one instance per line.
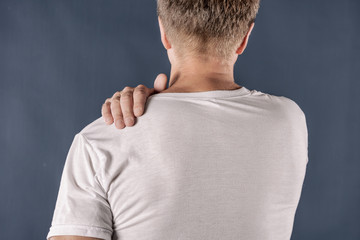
(202,165)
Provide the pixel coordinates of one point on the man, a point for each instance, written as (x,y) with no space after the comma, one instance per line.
(208,160)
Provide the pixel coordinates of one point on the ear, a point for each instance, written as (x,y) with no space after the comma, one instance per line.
(164,39)
(243,45)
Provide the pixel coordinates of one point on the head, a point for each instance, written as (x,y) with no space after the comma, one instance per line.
(206,29)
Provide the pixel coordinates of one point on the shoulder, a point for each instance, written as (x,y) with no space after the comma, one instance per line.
(283,114)
(292,110)
(108,141)
(290,116)
(279,104)
(96,129)
(102,136)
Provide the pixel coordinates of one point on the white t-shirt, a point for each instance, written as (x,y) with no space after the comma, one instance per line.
(223,164)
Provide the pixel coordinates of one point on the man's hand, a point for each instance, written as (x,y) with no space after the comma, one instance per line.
(123,104)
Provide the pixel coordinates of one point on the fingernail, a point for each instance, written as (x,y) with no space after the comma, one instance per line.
(119,123)
(129,121)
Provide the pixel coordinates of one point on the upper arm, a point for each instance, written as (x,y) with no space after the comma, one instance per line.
(82,208)
(297,121)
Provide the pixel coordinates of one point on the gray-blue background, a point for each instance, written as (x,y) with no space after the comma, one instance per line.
(60,60)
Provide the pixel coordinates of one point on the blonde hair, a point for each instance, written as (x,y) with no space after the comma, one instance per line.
(207,27)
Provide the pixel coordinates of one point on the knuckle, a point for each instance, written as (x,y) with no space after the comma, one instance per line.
(142,86)
(117,116)
(127,88)
(140,90)
(127,112)
(116,95)
(115,108)
(114,102)
(125,95)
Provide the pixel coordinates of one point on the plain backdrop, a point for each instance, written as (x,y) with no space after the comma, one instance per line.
(60,60)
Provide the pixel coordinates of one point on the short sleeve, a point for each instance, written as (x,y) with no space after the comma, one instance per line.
(81,208)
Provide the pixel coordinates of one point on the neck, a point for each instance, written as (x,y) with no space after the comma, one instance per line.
(205,74)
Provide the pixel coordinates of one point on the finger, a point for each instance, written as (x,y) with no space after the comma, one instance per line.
(116,110)
(140,95)
(106,112)
(160,82)
(126,103)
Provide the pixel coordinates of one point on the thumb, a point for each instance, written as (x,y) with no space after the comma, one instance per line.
(160,82)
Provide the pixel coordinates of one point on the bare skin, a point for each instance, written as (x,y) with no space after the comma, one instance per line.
(129,103)
(188,74)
